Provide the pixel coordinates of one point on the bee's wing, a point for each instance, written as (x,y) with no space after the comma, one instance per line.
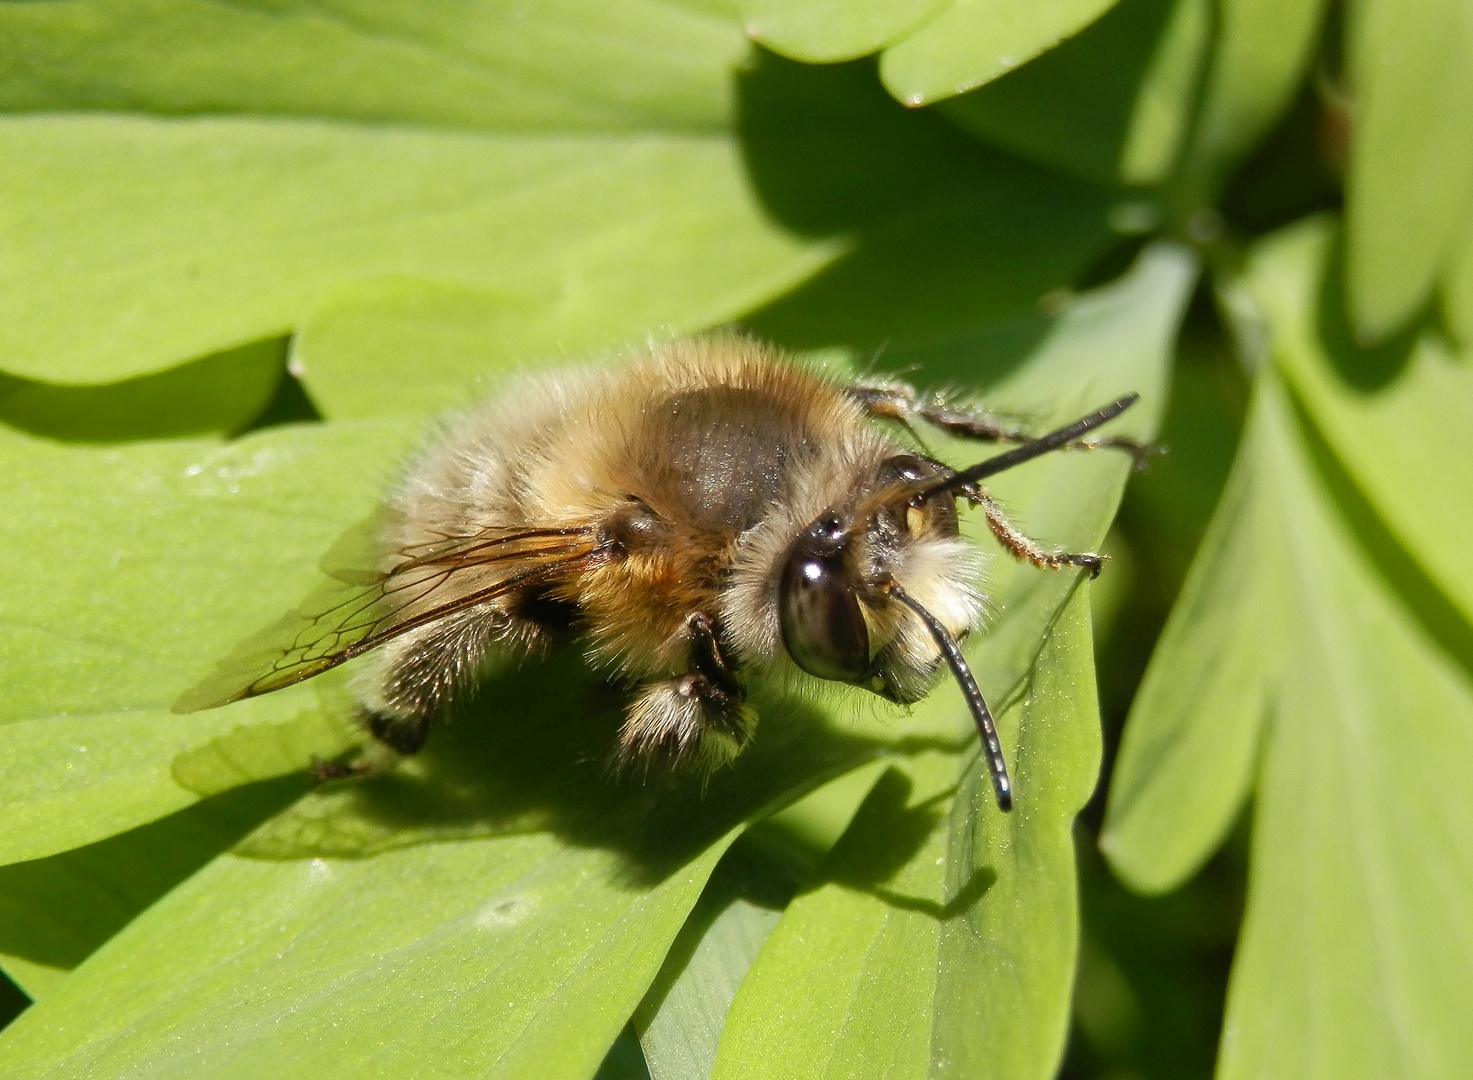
(354,611)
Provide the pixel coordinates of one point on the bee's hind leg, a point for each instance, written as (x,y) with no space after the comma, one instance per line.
(393,739)
(409,684)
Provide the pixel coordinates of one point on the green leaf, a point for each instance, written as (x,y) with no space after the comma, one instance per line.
(825,31)
(1186,760)
(1261,50)
(1414,393)
(1111,104)
(55,911)
(565,65)
(1353,959)
(122,597)
(1410,182)
(975,41)
(853,974)
(1006,961)
(653,227)
(519,950)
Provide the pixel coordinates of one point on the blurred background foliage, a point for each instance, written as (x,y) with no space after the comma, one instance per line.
(245,248)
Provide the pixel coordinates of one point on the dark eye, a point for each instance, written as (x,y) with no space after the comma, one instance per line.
(823,628)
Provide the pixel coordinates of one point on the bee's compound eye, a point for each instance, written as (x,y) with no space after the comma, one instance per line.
(823,628)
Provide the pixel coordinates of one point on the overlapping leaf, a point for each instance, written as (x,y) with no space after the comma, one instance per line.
(933,48)
(585,152)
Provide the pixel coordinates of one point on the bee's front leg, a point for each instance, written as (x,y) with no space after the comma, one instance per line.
(696,719)
(1021,546)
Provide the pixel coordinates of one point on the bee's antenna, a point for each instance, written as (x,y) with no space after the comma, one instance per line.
(986,728)
(1031,449)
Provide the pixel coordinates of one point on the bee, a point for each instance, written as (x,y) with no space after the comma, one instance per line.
(697,513)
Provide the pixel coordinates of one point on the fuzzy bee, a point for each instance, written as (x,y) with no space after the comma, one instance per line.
(700,511)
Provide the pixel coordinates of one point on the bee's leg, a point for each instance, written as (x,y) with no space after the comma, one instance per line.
(1023,547)
(696,719)
(899,401)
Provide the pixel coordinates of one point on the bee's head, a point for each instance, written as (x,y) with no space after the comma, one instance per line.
(841,585)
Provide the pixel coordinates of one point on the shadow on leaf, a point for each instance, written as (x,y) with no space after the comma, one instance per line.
(886,835)
(528,755)
(947,235)
(1366,368)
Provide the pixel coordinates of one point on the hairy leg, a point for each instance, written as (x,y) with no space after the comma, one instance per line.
(1023,547)
(696,719)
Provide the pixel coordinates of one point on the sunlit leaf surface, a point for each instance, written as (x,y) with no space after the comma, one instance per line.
(1415,393)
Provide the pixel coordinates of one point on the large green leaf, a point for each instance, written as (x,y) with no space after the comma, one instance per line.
(1353,960)
(123,596)
(518,950)
(582,152)
(1410,182)
(853,972)
(563,65)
